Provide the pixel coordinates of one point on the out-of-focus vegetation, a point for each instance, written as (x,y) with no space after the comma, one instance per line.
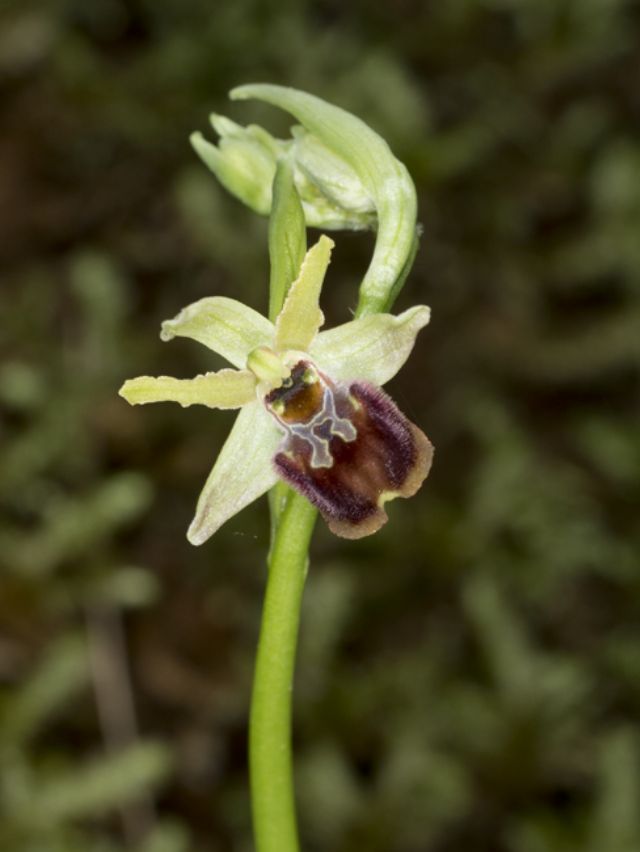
(469,678)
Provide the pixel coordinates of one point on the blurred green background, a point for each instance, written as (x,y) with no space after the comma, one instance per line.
(469,678)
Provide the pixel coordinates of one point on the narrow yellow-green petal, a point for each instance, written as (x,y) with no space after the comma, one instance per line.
(373,347)
(301,317)
(225,389)
(230,328)
(243,472)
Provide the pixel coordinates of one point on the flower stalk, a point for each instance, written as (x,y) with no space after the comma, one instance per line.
(270,758)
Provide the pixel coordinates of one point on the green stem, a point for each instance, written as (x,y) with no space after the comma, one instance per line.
(272,793)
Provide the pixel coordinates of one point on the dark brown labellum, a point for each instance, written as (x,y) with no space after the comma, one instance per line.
(351,450)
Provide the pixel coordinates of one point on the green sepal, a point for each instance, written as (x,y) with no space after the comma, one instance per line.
(372,347)
(224,325)
(242,472)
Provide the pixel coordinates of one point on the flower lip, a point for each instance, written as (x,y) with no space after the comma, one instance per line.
(350,479)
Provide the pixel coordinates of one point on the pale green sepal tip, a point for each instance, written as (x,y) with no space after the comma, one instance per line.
(373,347)
(225,126)
(301,317)
(243,472)
(224,325)
(345,133)
(276,147)
(242,165)
(208,153)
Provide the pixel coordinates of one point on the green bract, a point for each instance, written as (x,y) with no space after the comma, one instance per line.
(345,174)
(371,348)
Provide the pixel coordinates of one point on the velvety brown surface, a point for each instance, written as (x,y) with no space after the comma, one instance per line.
(389,458)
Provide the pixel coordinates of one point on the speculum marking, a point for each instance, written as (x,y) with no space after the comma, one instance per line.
(323,423)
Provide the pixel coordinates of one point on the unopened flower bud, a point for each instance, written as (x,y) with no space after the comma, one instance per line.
(244,161)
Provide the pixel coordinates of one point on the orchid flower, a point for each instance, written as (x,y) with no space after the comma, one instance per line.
(311,409)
